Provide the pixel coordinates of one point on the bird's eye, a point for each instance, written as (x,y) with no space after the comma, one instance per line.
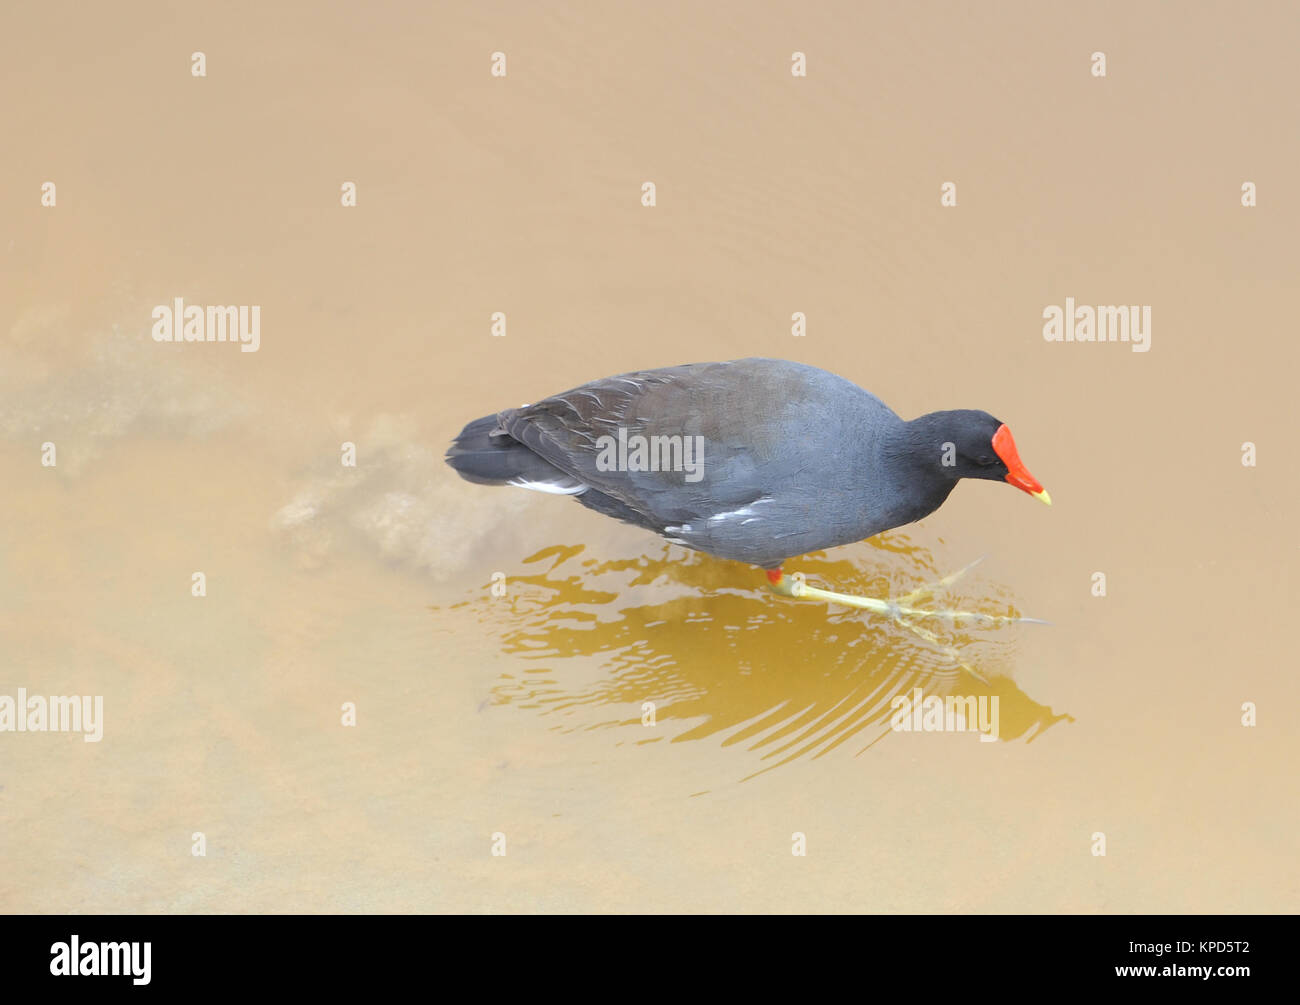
(986,462)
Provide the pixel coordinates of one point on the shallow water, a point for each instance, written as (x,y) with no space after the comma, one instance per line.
(523,714)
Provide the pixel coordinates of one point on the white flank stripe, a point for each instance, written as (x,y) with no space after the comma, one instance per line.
(746,511)
(568,487)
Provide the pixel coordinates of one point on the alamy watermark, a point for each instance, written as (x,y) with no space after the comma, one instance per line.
(634,452)
(175,322)
(74,713)
(1098,324)
(75,958)
(916,713)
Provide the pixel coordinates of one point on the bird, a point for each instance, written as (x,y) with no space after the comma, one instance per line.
(755,460)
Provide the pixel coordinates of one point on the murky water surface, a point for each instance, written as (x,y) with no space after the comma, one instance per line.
(525,714)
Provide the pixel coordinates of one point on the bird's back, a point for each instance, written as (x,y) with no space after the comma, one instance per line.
(789,452)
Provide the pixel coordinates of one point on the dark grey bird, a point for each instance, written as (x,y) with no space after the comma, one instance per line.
(756,460)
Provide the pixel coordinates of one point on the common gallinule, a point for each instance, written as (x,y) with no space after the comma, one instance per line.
(756,460)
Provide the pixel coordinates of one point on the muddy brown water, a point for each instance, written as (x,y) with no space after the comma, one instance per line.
(522,715)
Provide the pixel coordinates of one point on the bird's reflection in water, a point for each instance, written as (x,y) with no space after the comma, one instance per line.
(721,657)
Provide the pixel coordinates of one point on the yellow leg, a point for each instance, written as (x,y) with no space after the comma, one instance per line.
(795,587)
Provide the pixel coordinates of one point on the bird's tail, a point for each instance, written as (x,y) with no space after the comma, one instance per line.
(485,453)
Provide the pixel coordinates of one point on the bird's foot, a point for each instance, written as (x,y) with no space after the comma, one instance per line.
(795,586)
(939,584)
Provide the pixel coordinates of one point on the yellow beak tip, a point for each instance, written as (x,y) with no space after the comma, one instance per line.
(1043,496)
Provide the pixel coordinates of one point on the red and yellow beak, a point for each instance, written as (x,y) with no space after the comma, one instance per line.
(1017,474)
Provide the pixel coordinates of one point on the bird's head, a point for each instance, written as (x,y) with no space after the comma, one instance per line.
(976,445)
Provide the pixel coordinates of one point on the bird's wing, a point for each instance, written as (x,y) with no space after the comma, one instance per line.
(577,430)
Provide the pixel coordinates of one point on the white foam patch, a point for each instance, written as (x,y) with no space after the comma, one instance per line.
(93,392)
(401,502)
(120,385)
